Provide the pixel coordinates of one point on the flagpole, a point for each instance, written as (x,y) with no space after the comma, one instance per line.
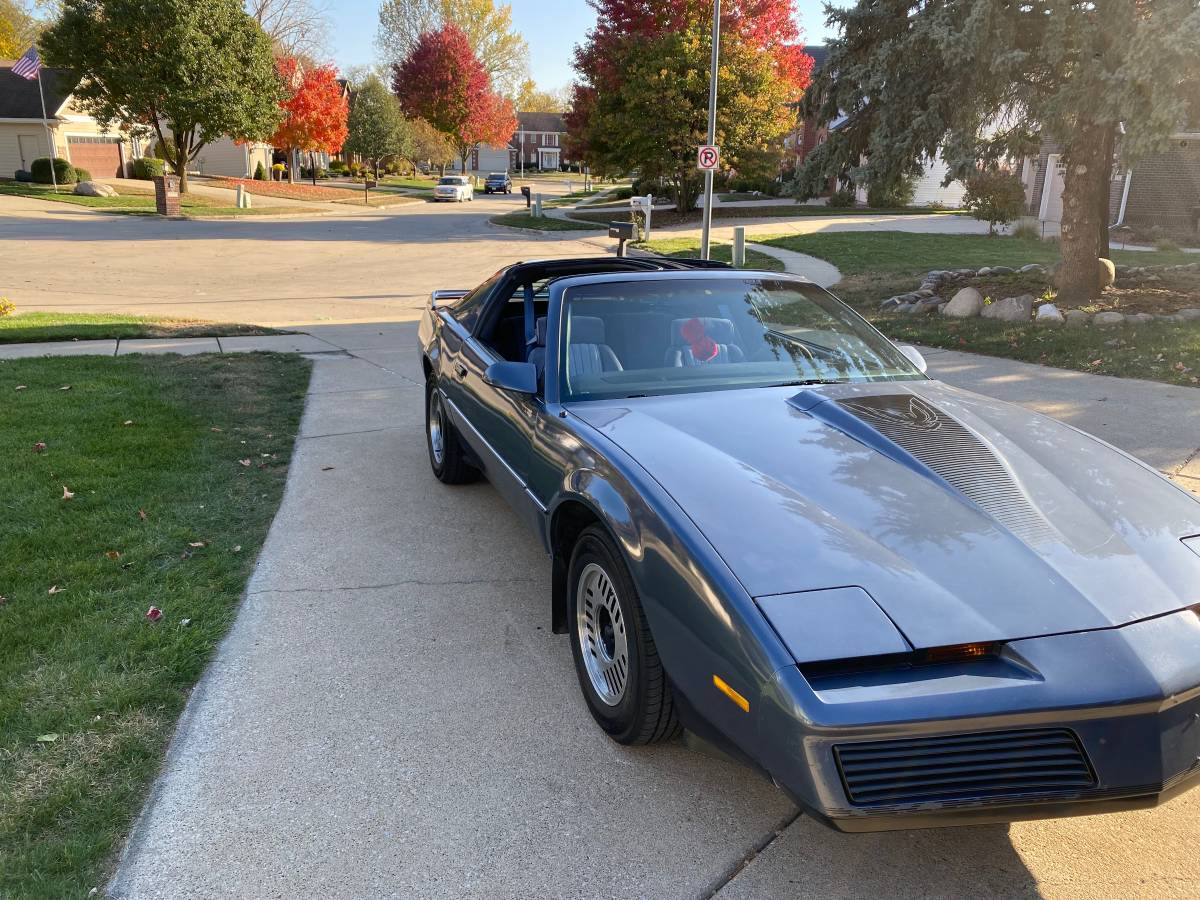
(46,125)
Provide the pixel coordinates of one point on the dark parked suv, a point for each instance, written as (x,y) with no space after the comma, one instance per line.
(497,183)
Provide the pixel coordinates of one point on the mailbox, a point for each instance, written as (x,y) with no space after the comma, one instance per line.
(622,231)
(525,192)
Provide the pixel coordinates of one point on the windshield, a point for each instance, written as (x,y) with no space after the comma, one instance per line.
(497,176)
(449,180)
(641,338)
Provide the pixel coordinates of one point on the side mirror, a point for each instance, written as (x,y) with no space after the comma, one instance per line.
(915,357)
(520,377)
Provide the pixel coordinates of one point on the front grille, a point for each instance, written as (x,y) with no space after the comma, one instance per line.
(988,766)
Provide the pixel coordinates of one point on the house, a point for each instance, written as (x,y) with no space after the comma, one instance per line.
(1160,190)
(76,136)
(810,133)
(536,145)
(83,141)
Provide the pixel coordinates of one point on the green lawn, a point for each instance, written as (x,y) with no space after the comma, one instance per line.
(408,182)
(667,217)
(52,326)
(163,515)
(141,203)
(879,252)
(690,248)
(545,223)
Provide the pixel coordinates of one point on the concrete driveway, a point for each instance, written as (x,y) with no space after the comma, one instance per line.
(391,717)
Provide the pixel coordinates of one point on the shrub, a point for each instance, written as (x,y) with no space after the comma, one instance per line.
(1026,231)
(1166,245)
(149,167)
(842,198)
(64,172)
(337,165)
(995,196)
(355,169)
(23,175)
(82,174)
(7,307)
(260,173)
(741,184)
(896,195)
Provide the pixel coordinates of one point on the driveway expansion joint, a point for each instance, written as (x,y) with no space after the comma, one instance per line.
(408,582)
(753,853)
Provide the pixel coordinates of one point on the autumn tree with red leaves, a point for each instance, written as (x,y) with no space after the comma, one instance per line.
(314,112)
(443,82)
(641,101)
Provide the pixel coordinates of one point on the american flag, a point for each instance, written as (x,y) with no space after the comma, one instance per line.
(28,65)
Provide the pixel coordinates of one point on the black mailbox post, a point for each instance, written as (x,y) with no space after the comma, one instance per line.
(525,192)
(622,231)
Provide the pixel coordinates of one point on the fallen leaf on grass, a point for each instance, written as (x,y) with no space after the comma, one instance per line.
(113,554)
(68,494)
(215,428)
(142,514)
(154,614)
(39,447)
(3,599)
(237,548)
(22,387)
(65,387)
(184,623)
(127,422)
(244,462)
(198,544)
(47,738)
(55,589)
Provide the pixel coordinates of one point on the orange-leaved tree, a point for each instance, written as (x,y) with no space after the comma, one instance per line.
(314,112)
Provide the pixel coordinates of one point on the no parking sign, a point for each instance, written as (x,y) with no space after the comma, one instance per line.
(708,157)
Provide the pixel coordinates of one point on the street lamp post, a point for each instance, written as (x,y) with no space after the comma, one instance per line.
(712,129)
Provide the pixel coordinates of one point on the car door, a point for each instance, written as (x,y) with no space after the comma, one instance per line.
(499,425)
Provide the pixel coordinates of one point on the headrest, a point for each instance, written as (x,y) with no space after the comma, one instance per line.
(540,328)
(720,330)
(587,330)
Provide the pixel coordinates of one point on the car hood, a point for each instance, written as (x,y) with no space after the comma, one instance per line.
(965,518)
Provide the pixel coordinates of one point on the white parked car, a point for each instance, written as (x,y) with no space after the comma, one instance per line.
(455,188)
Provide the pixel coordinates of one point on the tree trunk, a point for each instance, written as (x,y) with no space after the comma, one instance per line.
(291,165)
(1079,275)
(312,167)
(1109,148)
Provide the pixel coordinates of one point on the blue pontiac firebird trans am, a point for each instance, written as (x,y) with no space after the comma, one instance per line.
(907,604)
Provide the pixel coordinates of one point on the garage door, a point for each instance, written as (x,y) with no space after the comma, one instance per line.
(99,155)
(493,159)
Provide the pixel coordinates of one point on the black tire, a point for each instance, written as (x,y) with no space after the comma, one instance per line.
(644,712)
(451,467)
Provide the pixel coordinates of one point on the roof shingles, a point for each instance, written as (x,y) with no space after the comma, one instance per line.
(19,96)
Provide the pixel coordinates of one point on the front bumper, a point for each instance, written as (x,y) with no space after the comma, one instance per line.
(1130,696)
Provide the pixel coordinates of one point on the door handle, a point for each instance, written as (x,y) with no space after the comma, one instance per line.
(460,370)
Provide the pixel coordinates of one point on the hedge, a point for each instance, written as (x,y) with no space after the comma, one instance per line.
(64,172)
(149,167)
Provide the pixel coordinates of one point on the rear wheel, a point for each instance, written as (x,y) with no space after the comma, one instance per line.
(445,452)
(616,659)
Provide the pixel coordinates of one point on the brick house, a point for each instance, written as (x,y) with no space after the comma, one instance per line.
(536,145)
(1162,189)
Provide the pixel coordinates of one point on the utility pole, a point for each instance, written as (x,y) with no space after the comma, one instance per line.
(712,129)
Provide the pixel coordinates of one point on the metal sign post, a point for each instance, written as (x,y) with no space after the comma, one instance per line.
(712,132)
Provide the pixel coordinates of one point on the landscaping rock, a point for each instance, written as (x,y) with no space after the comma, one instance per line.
(1076,318)
(890,303)
(1010,309)
(1003,270)
(1108,318)
(906,307)
(1108,273)
(1032,269)
(94,189)
(984,272)
(1048,314)
(928,305)
(924,292)
(966,304)
(1140,318)
(1187,315)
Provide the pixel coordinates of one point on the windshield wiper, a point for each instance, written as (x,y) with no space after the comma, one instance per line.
(806,382)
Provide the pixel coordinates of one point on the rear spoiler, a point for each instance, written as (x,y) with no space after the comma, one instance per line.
(443,297)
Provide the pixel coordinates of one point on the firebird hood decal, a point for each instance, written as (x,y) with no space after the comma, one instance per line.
(1009,525)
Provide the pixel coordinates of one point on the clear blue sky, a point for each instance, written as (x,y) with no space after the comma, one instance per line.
(551,27)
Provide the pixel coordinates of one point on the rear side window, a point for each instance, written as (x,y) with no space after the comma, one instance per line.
(466,311)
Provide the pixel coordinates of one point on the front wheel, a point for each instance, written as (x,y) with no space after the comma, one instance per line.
(445,452)
(616,660)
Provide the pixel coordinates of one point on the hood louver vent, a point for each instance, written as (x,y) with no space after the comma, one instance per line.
(942,444)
